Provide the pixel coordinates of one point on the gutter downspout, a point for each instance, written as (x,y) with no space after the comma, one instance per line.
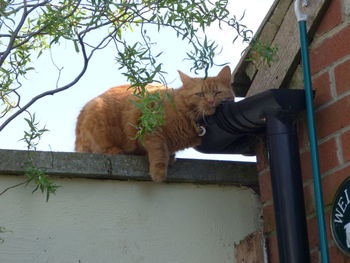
(271,112)
(287,189)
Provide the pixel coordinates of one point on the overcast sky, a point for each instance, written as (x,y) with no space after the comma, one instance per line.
(59,112)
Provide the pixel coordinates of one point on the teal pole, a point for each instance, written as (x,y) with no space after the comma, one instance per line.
(313,142)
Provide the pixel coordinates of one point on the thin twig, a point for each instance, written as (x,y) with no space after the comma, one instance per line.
(57,67)
(13,186)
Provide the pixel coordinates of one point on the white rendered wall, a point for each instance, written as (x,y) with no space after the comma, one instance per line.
(93,221)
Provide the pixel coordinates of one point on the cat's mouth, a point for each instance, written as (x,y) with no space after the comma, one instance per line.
(209,110)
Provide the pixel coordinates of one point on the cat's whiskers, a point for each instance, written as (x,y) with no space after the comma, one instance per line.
(198,114)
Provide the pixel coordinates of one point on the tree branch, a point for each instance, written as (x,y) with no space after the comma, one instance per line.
(15,34)
(39,31)
(52,92)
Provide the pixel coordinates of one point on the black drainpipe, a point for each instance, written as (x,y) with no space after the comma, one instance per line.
(234,129)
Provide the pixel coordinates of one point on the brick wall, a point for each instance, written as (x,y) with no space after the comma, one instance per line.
(330,66)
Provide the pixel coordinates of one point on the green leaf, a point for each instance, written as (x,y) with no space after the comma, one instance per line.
(76,46)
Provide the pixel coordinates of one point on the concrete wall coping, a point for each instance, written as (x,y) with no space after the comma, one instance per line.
(129,167)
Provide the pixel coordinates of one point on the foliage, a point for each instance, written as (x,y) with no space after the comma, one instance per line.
(33,136)
(261,52)
(29,28)
(33,173)
(41,181)
(152,110)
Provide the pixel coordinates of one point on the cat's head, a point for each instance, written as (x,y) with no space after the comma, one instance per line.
(202,96)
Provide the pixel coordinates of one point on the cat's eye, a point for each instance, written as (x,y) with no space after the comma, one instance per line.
(199,94)
(217,92)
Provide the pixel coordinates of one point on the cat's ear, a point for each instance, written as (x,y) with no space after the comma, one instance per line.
(225,76)
(184,78)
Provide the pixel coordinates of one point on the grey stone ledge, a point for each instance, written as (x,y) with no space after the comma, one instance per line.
(129,167)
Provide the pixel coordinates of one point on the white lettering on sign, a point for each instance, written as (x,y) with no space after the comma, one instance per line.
(342,205)
(347,196)
(338,216)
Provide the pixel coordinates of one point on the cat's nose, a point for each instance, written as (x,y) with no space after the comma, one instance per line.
(211,101)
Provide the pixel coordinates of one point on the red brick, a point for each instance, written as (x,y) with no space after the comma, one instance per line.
(331,183)
(332,18)
(250,249)
(333,117)
(345,141)
(328,226)
(302,133)
(269,218)
(265,186)
(315,257)
(272,249)
(313,232)
(309,199)
(327,156)
(330,50)
(306,168)
(342,77)
(323,91)
(261,156)
(335,255)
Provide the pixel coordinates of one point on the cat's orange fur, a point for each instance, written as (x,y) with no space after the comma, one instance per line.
(107,123)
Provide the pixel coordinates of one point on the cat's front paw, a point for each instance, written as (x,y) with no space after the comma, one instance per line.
(158,178)
(158,173)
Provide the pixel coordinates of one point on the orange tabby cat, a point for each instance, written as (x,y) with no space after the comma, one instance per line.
(107,123)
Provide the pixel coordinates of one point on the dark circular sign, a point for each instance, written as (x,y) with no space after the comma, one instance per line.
(340,217)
